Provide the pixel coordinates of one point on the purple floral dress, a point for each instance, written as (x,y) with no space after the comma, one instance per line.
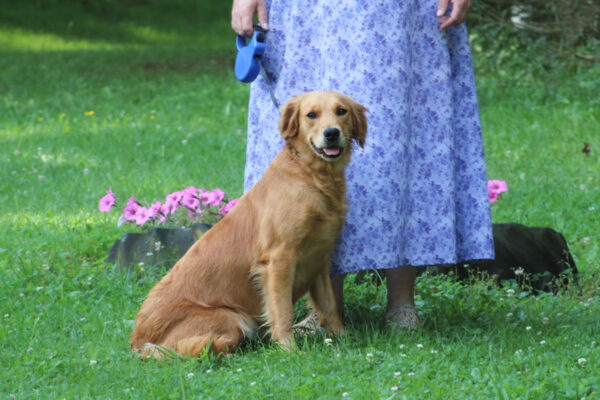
(418,190)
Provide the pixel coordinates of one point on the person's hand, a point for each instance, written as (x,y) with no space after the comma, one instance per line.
(460,11)
(242,14)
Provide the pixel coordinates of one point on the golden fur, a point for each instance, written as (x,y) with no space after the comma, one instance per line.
(271,249)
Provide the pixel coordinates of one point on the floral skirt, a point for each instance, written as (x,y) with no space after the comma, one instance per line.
(418,190)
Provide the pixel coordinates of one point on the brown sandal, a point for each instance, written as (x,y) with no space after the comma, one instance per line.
(309,325)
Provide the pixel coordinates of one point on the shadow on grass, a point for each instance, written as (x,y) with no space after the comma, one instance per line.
(119,21)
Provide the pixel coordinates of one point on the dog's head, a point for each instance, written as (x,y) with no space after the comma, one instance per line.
(323,124)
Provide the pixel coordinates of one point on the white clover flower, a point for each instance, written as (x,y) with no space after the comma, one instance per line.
(510,292)
(252,383)
(208,371)
(434,351)
(93,363)
(394,388)
(190,375)
(545,320)
(419,346)
(581,361)
(369,357)
(527,328)
(519,351)
(328,341)
(509,315)
(239,370)
(402,354)
(543,342)
(519,271)
(411,374)
(397,373)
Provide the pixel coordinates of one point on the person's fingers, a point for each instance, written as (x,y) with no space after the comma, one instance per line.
(241,18)
(246,23)
(442,7)
(263,18)
(460,11)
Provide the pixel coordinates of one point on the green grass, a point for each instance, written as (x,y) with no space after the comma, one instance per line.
(167,113)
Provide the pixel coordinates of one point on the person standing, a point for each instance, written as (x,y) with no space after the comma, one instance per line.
(417,192)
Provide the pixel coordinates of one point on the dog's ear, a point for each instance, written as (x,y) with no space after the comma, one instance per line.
(359,123)
(289,122)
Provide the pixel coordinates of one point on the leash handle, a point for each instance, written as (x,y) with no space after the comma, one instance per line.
(247,62)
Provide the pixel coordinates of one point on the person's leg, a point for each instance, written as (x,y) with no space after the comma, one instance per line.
(401,312)
(400,286)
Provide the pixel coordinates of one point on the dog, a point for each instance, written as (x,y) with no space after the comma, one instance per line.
(272,248)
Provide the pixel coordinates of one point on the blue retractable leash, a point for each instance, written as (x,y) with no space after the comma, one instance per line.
(248,61)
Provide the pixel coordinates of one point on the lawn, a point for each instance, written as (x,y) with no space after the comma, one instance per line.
(140,97)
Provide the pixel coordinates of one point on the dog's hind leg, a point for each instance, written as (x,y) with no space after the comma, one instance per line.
(219,330)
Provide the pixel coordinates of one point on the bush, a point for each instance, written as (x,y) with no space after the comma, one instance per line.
(564,28)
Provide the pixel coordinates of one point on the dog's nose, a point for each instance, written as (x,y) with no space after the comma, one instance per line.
(331,134)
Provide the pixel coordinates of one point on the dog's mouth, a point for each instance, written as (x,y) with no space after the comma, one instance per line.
(329,152)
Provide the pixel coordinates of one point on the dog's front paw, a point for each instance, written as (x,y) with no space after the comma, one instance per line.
(336,331)
(287,344)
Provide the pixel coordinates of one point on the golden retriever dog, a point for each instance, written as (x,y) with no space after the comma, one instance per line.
(271,249)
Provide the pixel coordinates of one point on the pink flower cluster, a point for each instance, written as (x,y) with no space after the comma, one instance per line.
(495,188)
(195,201)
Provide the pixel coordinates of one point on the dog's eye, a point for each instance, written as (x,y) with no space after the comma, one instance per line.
(312,115)
(341,111)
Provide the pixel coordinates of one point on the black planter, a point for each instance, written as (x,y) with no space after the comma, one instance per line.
(154,249)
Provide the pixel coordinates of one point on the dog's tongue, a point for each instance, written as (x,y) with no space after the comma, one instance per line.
(331,151)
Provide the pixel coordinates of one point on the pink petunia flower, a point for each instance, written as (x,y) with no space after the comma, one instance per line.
(169,207)
(495,187)
(142,215)
(131,209)
(154,209)
(190,201)
(189,190)
(225,209)
(175,197)
(213,198)
(107,201)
